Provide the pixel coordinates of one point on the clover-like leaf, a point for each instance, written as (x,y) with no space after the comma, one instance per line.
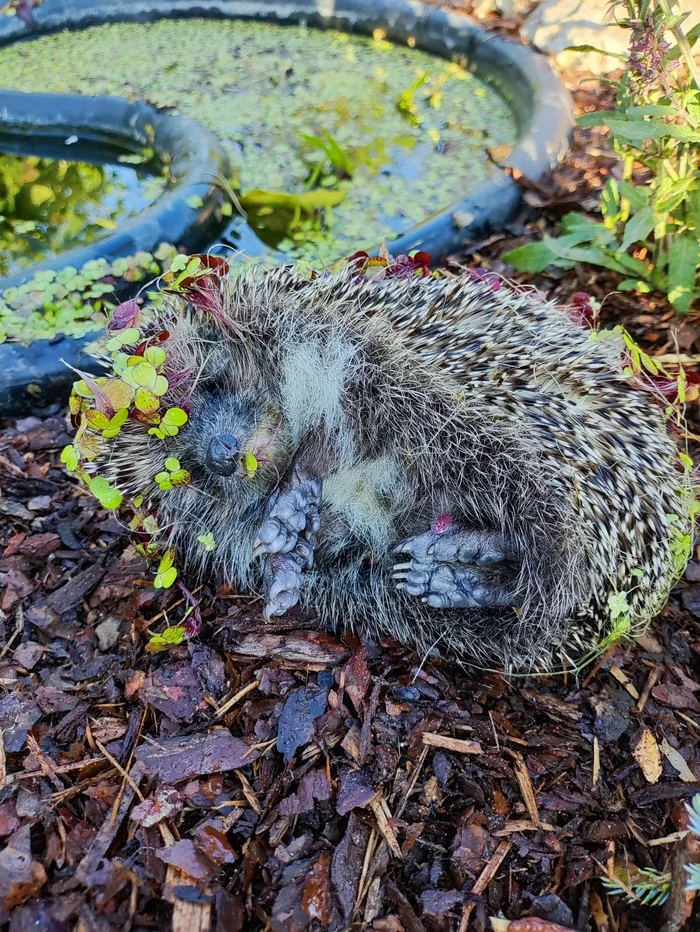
(107,495)
(69,458)
(169,637)
(118,393)
(82,388)
(145,374)
(172,463)
(167,573)
(124,315)
(180,478)
(207,541)
(160,386)
(75,403)
(128,336)
(96,419)
(155,355)
(170,424)
(146,402)
(115,424)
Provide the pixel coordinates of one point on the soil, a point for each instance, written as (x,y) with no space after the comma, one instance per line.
(286,778)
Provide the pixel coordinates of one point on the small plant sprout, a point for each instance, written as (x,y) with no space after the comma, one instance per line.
(107,495)
(173,476)
(648,887)
(167,573)
(171,422)
(207,541)
(250,464)
(171,637)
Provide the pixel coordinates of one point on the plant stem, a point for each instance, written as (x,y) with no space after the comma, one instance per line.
(683,45)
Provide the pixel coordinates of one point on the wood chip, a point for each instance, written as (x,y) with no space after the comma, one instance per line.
(230,703)
(646,753)
(668,839)
(381,813)
(188,915)
(483,880)
(621,678)
(678,762)
(459,745)
(525,784)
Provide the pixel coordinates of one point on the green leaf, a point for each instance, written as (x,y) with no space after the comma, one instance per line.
(172,463)
(594,48)
(683,261)
(597,118)
(308,201)
(195,202)
(115,424)
(637,195)
(69,458)
(532,257)
(165,579)
(651,110)
(155,355)
(637,228)
(207,541)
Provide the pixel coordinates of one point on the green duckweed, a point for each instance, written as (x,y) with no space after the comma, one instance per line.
(399,132)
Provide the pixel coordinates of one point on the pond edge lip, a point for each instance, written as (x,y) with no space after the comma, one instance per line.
(196,160)
(32,376)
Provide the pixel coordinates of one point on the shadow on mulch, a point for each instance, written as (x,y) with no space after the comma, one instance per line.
(289,779)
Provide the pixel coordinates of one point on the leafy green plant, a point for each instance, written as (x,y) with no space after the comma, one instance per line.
(648,888)
(650,228)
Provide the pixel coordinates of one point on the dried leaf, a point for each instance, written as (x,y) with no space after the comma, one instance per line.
(646,753)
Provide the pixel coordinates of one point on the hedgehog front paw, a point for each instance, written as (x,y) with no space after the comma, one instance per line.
(449,568)
(291,515)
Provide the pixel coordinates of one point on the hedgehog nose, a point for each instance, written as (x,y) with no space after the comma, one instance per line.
(223,454)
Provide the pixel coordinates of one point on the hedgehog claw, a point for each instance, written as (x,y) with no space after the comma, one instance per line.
(446,568)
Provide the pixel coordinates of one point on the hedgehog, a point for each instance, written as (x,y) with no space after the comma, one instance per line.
(403,452)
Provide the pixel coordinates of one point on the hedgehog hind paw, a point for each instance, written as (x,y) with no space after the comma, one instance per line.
(447,569)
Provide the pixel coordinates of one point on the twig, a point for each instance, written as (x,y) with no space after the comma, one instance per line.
(526,789)
(646,692)
(483,880)
(230,703)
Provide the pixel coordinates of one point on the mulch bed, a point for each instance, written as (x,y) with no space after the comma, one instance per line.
(285,778)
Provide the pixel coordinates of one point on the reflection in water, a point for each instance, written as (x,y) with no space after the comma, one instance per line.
(48,206)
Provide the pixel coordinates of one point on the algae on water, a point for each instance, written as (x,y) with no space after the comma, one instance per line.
(400,132)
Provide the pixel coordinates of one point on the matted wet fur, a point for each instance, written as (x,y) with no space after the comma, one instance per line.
(419,397)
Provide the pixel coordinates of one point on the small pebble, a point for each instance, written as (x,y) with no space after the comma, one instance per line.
(107,633)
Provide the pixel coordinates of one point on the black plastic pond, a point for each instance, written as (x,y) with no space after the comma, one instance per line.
(390,159)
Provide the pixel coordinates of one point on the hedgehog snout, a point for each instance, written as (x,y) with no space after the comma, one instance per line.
(223,456)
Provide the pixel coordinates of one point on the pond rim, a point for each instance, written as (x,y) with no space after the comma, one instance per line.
(537,98)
